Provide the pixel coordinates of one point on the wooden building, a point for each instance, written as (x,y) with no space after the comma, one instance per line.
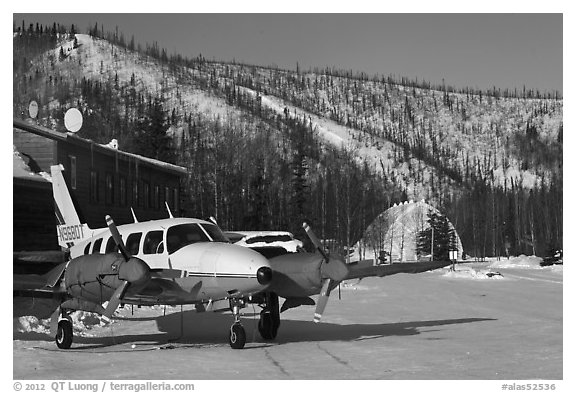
(101,179)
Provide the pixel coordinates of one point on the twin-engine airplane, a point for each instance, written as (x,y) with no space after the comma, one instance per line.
(173,261)
(179,261)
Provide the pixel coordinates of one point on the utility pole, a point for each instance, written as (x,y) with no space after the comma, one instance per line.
(432,245)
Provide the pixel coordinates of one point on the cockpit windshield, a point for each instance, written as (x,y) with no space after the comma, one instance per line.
(182,235)
(215,233)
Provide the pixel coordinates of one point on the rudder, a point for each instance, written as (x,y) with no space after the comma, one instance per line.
(69,228)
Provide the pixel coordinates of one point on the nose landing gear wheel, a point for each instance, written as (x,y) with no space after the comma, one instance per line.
(237,338)
(64,334)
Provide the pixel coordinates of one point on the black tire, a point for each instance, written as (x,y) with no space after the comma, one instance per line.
(274,307)
(266,326)
(237,337)
(64,334)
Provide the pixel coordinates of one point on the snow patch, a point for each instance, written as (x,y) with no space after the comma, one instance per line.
(82,322)
(557,269)
(468,273)
(20,167)
(519,262)
(31,324)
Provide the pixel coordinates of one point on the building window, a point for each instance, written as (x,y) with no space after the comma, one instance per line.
(135,198)
(175,204)
(122,191)
(146,194)
(157,197)
(93,186)
(166,195)
(109,189)
(72,172)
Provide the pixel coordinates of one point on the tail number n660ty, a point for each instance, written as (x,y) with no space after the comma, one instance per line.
(70,232)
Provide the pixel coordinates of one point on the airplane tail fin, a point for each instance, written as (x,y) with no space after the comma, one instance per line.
(69,229)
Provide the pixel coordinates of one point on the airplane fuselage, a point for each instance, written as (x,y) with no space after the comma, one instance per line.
(208,268)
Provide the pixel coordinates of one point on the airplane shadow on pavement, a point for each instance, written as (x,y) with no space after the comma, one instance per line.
(211,329)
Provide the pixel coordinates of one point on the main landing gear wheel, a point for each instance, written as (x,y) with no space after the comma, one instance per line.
(266,326)
(237,338)
(269,318)
(64,334)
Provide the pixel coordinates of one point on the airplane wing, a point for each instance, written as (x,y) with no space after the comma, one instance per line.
(162,291)
(41,286)
(364,269)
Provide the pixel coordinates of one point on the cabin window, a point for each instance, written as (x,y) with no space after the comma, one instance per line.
(111,245)
(97,245)
(87,248)
(72,172)
(153,243)
(182,235)
(133,243)
(123,191)
(93,186)
(109,189)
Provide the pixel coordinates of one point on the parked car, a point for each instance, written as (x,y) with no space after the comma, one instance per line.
(265,239)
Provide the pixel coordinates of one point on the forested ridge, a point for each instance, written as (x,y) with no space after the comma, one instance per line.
(256,140)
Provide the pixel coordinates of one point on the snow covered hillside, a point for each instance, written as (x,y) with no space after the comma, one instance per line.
(266,148)
(400,130)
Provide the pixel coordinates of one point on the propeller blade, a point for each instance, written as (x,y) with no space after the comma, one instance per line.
(54,322)
(117,237)
(315,240)
(322,300)
(116,299)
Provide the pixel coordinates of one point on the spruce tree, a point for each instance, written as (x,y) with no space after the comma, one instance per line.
(444,237)
(151,139)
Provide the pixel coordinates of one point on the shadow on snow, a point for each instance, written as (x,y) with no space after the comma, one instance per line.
(210,329)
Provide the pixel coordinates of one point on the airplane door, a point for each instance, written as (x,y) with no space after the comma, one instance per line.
(154,251)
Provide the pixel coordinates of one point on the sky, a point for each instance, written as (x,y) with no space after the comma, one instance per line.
(474,50)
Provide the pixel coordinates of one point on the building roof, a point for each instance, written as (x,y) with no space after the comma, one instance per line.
(89,144)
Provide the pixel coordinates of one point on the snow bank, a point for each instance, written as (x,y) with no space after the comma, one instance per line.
(82,322)
(558,269)
(20,167)
(468,273)
(354,285)
(31,324)
(520,262)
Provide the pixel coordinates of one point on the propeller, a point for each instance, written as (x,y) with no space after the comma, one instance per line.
(133,271)
(333,271)
(117,238)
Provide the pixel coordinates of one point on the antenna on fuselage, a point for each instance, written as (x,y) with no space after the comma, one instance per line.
(134,216)
(211,218)
(168,208)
